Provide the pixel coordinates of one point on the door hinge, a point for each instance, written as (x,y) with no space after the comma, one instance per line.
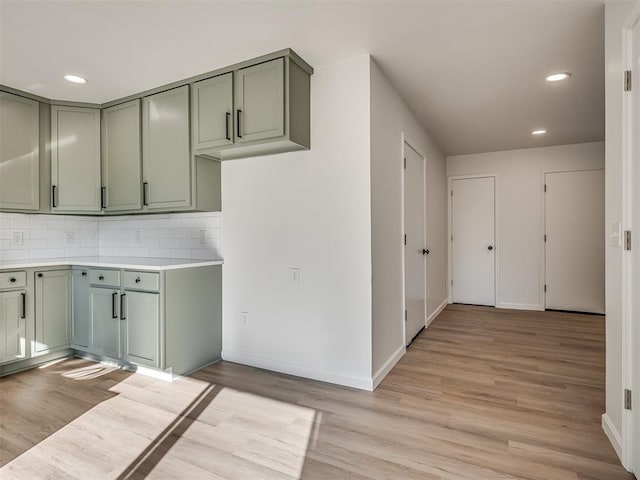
(405,163)
(405,315)
(627,239)
(451,193)
(545,238)
(405,238)
(627,399)
(452,283)
(545,188)
(545,288)
(627,80)
(452,238)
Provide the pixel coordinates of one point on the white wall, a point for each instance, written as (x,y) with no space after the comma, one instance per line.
(617,14)
(309,210)
(520,211)
(390,118)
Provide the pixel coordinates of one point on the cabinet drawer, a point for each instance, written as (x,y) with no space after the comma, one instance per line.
(13,279)
(110,278)
(142,281)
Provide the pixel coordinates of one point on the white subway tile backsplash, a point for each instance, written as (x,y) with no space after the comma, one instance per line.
(176,235)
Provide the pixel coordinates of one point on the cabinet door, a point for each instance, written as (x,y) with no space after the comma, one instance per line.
(260,101)
(75,159)
(19,153)
(105,322)
(81,313)
(121,157)
(142,314)
(166,156)
(212,110)
(13,331)
(53,311)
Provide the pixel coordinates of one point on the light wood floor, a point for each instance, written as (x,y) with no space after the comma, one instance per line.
(483,394)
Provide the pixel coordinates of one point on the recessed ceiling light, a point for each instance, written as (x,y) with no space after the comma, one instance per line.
(556,77)
(75,79)
(540,131)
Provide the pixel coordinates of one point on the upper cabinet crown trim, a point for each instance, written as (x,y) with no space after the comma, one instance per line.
(286,52)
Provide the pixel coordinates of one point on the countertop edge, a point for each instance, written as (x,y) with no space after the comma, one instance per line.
(71,262)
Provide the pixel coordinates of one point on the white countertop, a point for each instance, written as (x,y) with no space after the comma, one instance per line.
(111,262)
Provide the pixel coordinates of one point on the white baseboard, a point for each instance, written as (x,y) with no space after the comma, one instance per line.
(388,365)
(361,383)
(520,306)
(612,434)
(437,311)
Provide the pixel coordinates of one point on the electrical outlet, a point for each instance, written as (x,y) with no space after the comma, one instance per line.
(203,237)
(68,238)
(294,272)
(244,319)
(17,239)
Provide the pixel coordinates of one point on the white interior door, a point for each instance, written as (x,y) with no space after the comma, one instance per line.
(415,238)
(634,354)
(473,268)
(574,247)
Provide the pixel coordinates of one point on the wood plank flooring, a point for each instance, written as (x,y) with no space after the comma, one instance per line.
(482,394)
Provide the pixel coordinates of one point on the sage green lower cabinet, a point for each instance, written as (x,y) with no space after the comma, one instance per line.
(141,314)
(13,329)
(165,320)
(81,315)
(52,311)
(19,153)
(105,322)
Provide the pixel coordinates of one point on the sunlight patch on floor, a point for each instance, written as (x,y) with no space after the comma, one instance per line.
(158,429)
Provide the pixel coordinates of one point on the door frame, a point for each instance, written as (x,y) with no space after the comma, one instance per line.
(496,241)
(543,229)
(630,319)
(406,140)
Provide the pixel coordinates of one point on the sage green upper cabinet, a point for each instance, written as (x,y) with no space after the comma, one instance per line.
(19,153)
(166,154)
(271,110)
(75,159)
(121,157)
(53,311)
(212,112)
(260,101)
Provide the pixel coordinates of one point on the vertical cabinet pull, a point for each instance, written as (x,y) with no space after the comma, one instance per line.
(114,301)
(145,186)
(54,202)
(238,123)
(23,314)
(103,197)
(122,299)
(227,119)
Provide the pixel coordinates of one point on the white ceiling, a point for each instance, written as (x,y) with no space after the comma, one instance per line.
(471,70)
